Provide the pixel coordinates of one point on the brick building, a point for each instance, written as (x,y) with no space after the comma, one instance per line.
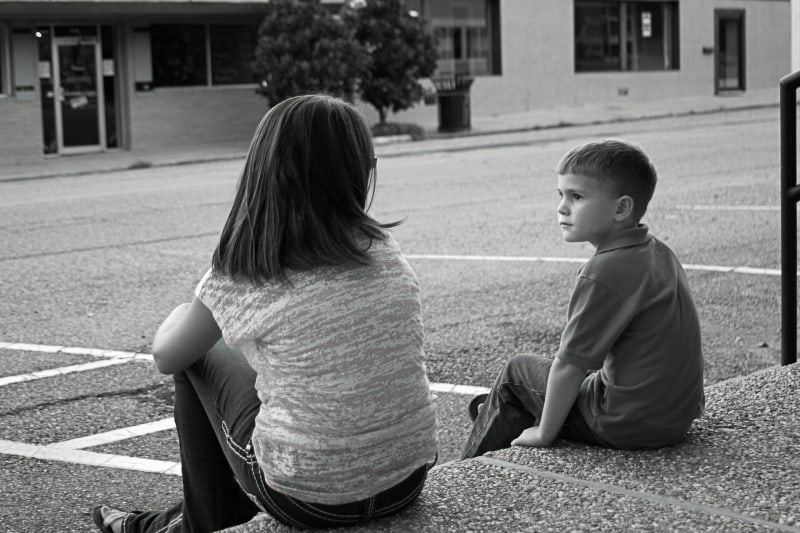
(94,75)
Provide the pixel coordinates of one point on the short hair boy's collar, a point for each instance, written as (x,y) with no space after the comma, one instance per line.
(625,238)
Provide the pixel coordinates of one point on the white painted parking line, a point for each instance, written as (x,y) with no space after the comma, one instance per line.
(114,357)
(95,352)
(728,207)
(116,435)
(83,457)
(533,259)
(498,258)
(735,270)
(449,388)
(123,357)
(51,372)
(22,347)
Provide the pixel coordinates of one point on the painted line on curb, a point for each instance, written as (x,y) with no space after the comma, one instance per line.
(647,496)
(523,259)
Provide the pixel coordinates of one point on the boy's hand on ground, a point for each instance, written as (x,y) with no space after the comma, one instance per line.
(563,386)
(533,437)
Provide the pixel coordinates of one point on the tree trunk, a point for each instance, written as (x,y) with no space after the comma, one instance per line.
(382,114)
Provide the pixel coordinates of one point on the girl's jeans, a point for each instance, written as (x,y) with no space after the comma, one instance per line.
(515,403)
(223,485)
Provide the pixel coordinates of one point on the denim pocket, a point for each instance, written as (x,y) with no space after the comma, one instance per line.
(245,453)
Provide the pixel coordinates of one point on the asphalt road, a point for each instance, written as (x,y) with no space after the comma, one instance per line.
(98,260)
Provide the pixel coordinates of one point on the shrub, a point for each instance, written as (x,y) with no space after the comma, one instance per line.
(304,47)
(400,52)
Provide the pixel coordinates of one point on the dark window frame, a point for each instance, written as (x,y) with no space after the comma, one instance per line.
(619,42)
(202,54)
(243,69)
(740,16)
(493,38)
(179,55)
(5,61)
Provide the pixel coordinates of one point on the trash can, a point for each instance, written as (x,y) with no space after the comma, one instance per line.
(453,97)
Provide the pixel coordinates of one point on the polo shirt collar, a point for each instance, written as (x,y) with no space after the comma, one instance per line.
(627,237)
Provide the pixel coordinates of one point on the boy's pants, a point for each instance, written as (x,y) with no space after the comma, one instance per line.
(215,409)
(515,403)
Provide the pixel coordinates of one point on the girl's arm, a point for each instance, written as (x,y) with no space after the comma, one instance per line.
(184,337)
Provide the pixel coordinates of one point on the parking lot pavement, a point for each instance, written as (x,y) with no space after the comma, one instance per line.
(83,426)
(56,402)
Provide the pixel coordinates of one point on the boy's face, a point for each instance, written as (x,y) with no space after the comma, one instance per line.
(587,209)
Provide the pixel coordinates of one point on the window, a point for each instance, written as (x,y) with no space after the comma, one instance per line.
(634,36)
(180,55)
(467,34)
(232,51)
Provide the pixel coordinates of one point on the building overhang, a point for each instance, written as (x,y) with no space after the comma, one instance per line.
(125,8)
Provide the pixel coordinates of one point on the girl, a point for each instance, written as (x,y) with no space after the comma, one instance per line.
(300,387)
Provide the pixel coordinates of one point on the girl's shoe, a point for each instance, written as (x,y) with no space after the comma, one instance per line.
(475,405)
(104,516)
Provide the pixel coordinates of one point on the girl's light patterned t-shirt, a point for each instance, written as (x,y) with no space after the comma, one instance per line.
(346,408)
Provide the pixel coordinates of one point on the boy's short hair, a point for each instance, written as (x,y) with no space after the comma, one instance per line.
(620,163)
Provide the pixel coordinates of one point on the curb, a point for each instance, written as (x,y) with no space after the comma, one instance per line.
(387,140)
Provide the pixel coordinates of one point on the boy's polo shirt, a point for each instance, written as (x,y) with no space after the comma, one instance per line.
(631,316)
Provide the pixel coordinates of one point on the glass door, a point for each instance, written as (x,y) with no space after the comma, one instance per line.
(729,37)
(79,116)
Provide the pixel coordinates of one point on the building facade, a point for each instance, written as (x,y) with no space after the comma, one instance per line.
(535,54)
(98,75)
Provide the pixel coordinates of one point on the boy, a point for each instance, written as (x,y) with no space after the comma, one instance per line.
(629,369)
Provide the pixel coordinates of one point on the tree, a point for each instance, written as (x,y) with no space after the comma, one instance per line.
(401,51)
(304,47)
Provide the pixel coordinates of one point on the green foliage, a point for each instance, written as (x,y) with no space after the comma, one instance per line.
(304,47)
(401,51)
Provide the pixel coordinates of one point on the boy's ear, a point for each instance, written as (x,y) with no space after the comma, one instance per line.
(624,208)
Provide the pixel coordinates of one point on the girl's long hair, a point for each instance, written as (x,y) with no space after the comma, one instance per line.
(303,195)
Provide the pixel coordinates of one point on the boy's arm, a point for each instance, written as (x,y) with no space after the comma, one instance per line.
(563,385)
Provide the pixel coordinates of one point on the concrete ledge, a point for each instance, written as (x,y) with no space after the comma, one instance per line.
(738,470)
(391,139)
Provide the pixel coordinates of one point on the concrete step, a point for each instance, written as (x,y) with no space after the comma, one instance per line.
(737,470)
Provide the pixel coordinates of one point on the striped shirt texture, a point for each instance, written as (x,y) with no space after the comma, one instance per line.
(346,408)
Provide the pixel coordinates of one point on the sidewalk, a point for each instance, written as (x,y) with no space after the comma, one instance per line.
(738,470)
(517,122)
